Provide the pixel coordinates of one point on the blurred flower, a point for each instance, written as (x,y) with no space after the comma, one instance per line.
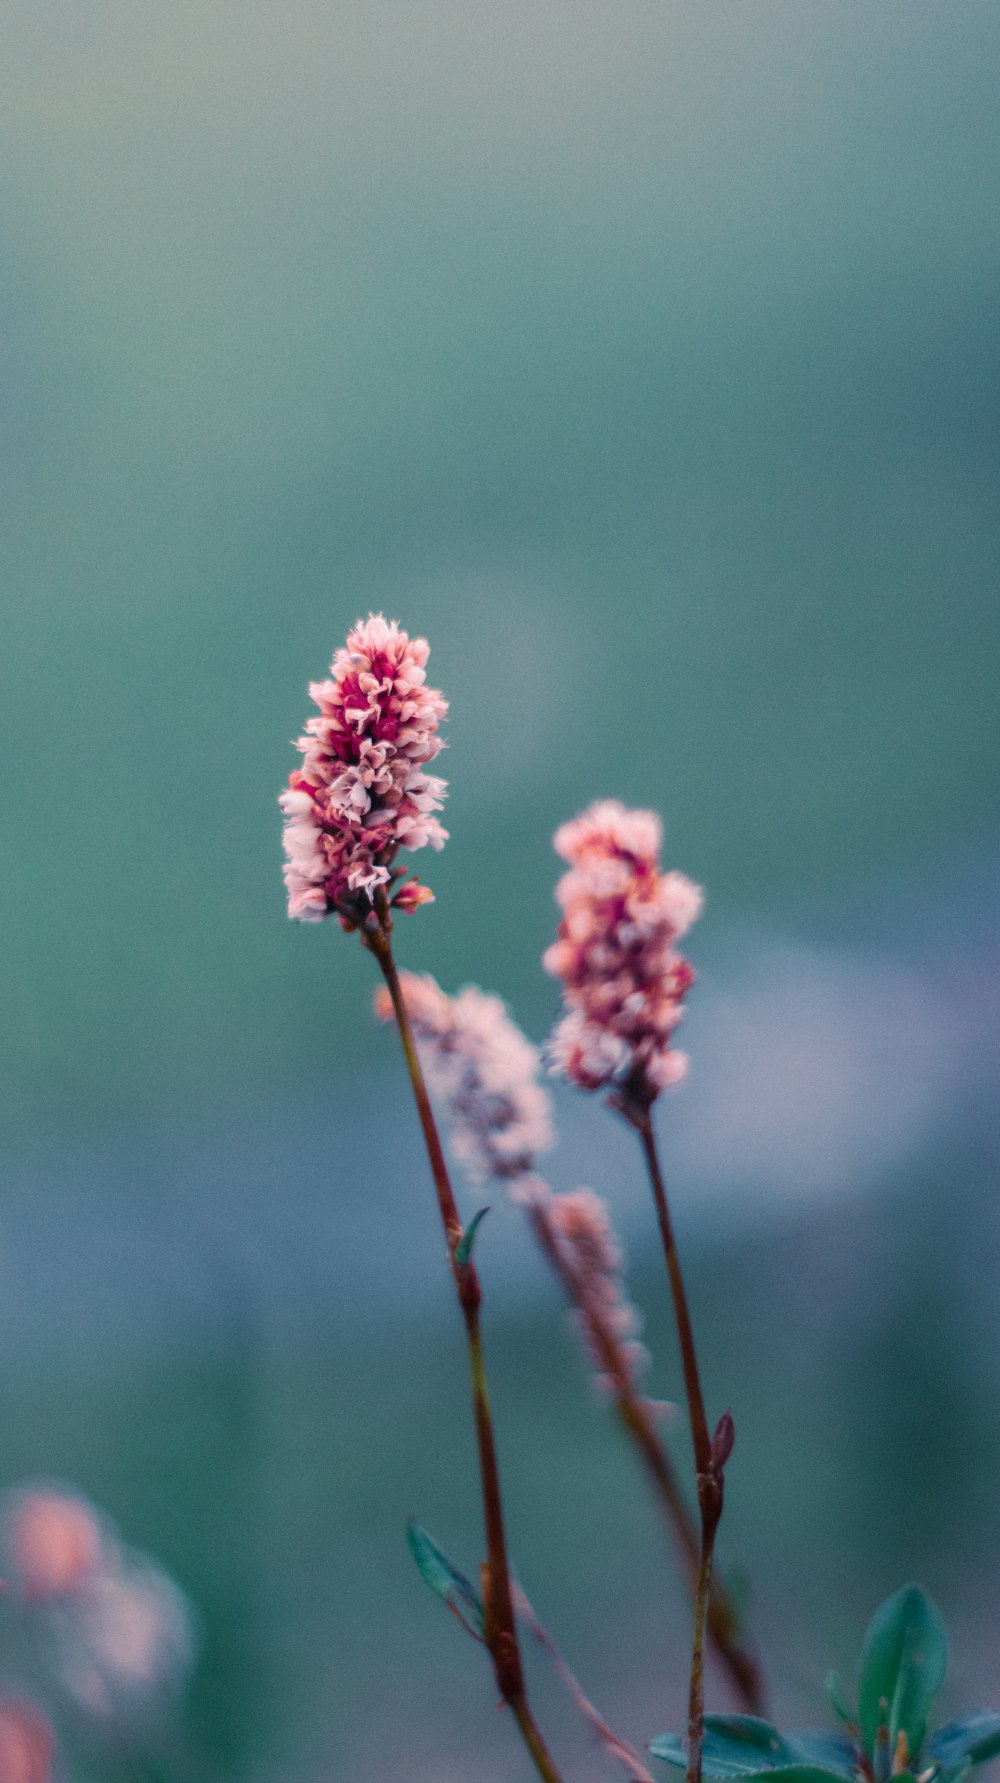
(362,792)
(54,1541)
(129,1643)
(623,981)
(26,1743)
(117,1631)
(576,1232)
(485,1071)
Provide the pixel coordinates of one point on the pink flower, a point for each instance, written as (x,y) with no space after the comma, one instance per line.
(26,1743)
(55,1542)
(484,1070)
(577,1229)
(363,791)
(623,980)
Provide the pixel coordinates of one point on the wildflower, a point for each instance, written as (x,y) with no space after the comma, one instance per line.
(484,1070)
(576,1230)
(615,952)
(26,1743)
(55,1541)
(363,792)
(129,1643)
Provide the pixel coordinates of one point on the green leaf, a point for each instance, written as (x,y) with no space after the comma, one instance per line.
(903,1663)
(838,1700)
(733,1746)
(969,1739)
(463,1249)
(822,1746)
(445,1580)
(803,1773)
(745,1746)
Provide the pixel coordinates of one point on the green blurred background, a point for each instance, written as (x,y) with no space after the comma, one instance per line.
(644,357)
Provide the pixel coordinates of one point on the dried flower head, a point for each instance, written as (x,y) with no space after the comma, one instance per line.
(54,1539)
(485,1071)
(363,791)
(590,1262)
(615,952)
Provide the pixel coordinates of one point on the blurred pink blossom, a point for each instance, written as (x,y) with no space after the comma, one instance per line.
(615,952)
(54,1540)
(578,1227)
(26,1743)
(484,1070)
(363,792)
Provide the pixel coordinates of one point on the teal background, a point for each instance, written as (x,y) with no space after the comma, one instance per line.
(643,357)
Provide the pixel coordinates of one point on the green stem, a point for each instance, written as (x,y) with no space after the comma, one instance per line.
(500,1620)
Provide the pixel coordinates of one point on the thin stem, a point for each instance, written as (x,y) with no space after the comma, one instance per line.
(696,1699)
(500,1620)
(636,1418)
(708,1463)
(533,1740)
(689,1360)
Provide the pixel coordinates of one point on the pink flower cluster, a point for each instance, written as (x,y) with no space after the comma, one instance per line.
(591,1264)
(484,1070)
(27,1744)
(363,792)
(118,1630)
(623,980)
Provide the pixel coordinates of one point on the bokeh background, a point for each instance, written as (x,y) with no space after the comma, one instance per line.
(644,357)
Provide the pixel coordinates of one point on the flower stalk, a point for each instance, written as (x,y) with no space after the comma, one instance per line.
(710,1452)
(637,1420)
(500,1620)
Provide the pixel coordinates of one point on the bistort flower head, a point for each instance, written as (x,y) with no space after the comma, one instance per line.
(363,792)
(615,952)
(584,1239)
(485,1072)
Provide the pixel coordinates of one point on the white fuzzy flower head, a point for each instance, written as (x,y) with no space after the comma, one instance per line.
(484,1071)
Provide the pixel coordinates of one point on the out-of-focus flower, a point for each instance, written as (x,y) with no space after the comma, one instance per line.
(129,1643)
(363,792)
(576,1232)
(118,1632)
(615,952)
(54,1540)
(485,1071)
(26,1743)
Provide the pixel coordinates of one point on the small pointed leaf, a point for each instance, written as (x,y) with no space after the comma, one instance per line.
(463,1249)
(969,1739)
(903,1662)
(445,1580)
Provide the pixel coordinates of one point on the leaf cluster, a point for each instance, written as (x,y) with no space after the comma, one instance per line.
(903,1663)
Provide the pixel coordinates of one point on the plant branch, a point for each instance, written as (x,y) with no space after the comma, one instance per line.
(636,1418)
(500,1623)
(710,1453)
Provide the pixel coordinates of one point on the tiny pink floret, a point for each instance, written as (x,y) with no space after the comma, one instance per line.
(623,980)
(363,791)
